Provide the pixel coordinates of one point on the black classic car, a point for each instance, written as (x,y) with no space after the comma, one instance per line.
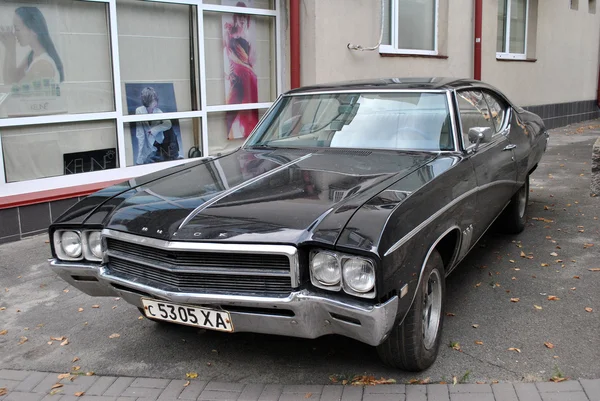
(342,213)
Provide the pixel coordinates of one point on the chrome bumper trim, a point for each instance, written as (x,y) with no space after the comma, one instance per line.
(313,314)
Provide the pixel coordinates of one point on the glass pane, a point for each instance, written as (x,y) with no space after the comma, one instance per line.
(387,23)
(416,24)
(473,113)
(39,151)
(497,110)
(359,120)
(56,58)
(518,25)
(219,138)
(501,43)
(157,50)
(264,4)
(162,140)
(240,58)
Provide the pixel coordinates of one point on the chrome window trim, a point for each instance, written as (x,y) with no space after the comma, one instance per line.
(287,250)
(334,91)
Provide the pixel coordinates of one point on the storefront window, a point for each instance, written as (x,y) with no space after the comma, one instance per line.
(55,59)
(49,150)
(220,127)
(157,47)
(264,4)
(162,140)
(240,58)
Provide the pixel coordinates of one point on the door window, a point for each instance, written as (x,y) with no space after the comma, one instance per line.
(474,113)
(497,110)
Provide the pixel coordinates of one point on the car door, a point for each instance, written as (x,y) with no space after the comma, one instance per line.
(492,159)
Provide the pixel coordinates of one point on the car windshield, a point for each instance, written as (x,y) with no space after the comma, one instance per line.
(382,120)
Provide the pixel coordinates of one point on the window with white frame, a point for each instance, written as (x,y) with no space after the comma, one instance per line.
(102,90)
(411,27)
(512,29)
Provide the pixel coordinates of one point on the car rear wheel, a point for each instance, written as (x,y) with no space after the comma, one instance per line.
(414,345)
(514,217)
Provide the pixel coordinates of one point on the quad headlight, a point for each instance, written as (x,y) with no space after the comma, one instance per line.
(336,271)
(73,245)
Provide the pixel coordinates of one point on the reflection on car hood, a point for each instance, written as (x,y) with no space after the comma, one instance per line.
(277,196)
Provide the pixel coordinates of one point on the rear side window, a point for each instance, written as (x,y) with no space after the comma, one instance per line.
(497,110)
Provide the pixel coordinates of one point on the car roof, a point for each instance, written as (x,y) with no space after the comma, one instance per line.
(428,83)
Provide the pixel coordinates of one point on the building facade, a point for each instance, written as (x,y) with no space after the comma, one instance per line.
(97,92)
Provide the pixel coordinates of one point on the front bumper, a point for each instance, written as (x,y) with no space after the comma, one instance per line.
(302,314)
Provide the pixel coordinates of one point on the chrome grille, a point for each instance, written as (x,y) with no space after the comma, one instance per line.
(200,271)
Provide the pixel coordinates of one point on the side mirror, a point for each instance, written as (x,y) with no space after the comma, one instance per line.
(478,135)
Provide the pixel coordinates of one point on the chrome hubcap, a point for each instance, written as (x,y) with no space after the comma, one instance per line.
(432,309)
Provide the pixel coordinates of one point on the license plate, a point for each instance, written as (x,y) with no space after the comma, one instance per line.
(189,315)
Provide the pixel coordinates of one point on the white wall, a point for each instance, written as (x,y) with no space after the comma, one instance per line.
(566,49)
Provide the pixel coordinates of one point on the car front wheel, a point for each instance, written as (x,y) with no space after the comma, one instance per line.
(414,345)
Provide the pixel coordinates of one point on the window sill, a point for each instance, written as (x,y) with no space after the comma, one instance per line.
(522,60)
(436,56)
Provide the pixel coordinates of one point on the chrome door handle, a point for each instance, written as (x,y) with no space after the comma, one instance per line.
(509,147)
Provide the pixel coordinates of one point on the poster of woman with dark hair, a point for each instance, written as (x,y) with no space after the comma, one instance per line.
(40,72)
(241,84)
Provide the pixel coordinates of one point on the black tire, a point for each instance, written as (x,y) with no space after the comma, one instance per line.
(514,217)
(407,348)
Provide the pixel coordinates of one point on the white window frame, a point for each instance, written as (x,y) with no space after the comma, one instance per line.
(393,47)
(120,116)
(509,54)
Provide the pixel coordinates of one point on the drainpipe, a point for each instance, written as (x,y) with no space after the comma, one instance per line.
(477,49)
(295,43)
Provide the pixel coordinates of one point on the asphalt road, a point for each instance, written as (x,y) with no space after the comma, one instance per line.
(39,305)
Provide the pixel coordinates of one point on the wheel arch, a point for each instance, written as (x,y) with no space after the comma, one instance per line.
(448,245)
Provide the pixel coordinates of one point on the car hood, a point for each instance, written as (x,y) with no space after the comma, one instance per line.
(276,196)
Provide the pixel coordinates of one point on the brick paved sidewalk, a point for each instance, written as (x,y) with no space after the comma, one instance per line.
(37,386)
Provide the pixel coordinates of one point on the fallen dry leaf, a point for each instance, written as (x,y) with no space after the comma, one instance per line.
(57,338)
(588,309)
(553,298)
(75,359)
(3,308)
(523,255)
(76,368)
(95,306)
(479,342)
(57,385)
(553,254)
(308,395)
(114,335)
(511,261)
(557,379)
(23,340)
(545,265)
(55,391)
(80,310)
(65,291)
(370,381)
(477,285)
(191,375)
(187,383)
(585,246)
(66,342)
(64,376)
(3,391)
(475,326)
(450,314)
(537,307)
(549,345)
(514,349)
(3,332)
(90,373)
(576,277)
(514,300)
(595,269)
(79,393)
(141,318)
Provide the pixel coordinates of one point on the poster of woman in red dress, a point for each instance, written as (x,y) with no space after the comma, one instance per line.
(240,79)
